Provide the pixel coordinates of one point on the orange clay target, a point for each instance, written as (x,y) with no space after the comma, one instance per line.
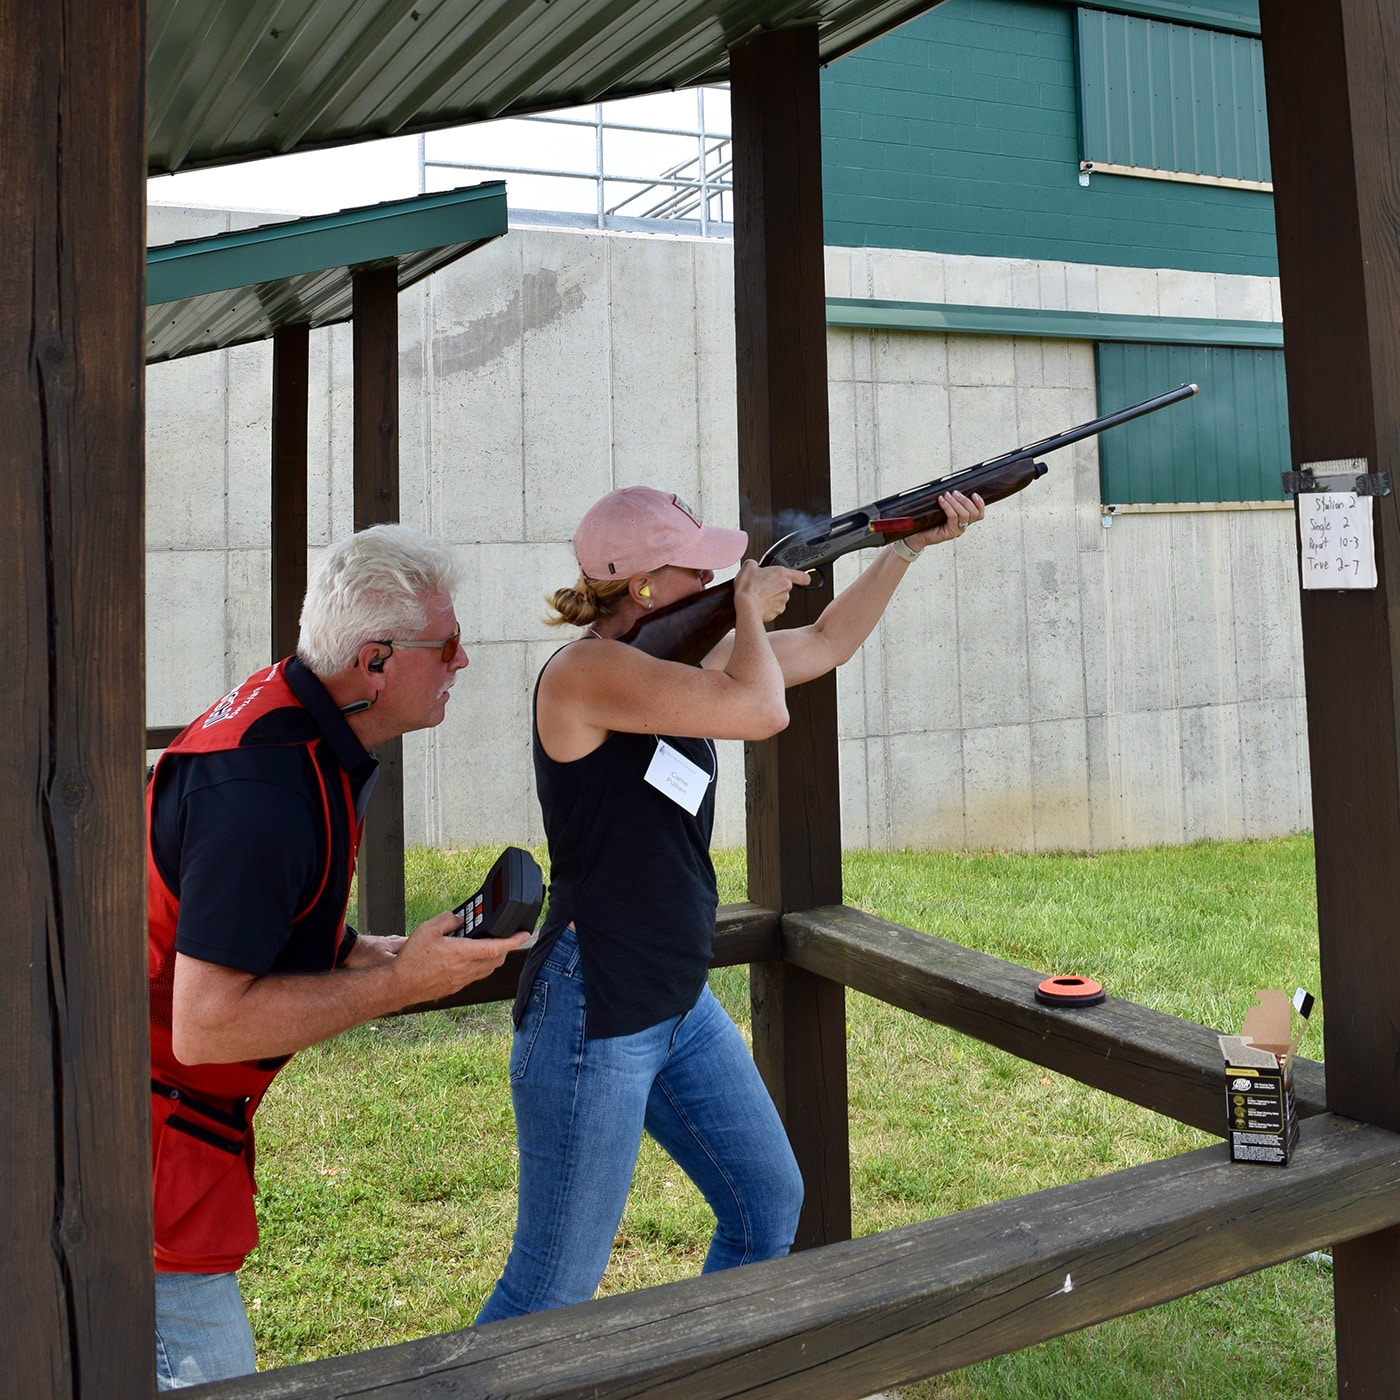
(1069,991)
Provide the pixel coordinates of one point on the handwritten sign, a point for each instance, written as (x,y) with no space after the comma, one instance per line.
(1338,545)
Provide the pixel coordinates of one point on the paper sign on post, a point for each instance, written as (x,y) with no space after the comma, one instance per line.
(1338,545)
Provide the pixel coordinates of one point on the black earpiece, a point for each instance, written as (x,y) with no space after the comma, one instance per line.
(376,663)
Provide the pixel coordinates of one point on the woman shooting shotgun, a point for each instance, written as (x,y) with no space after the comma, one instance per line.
(616,1030)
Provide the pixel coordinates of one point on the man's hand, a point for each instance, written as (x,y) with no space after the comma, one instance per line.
(432,964)
(372,950)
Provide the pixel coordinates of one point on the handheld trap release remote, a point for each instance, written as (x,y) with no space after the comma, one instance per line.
(509,899)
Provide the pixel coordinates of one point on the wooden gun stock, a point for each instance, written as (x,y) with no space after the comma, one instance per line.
(688,630)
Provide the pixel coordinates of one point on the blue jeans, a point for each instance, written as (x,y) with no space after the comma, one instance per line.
(580,1108)
(202,1331)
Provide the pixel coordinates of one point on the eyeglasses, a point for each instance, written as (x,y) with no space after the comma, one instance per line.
(447,649)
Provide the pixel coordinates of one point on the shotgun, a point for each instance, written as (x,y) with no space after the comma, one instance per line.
(688,630)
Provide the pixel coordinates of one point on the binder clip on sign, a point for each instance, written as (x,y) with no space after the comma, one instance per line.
(1259,1104)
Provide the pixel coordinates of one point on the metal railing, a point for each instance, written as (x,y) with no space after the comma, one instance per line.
(695,189)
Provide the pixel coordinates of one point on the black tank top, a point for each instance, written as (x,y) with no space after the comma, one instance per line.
(630,869)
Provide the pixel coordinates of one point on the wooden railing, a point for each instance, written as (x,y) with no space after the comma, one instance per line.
(851,1318)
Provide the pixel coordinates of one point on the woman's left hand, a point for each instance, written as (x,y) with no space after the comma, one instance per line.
(959,511)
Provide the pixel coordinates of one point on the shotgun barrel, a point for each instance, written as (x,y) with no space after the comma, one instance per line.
(911,511)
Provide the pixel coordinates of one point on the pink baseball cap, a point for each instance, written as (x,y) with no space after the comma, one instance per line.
(636,529)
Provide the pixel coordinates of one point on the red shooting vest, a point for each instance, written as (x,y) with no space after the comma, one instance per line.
(201,1115)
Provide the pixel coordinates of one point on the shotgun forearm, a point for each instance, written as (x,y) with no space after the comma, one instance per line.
(688,630)
(898,516)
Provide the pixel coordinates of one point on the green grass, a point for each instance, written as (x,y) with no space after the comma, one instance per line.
(386,1157)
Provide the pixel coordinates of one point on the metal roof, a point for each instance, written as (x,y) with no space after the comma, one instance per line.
(209,293)
(236,79)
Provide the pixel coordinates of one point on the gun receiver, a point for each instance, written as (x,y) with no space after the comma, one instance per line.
(688,630)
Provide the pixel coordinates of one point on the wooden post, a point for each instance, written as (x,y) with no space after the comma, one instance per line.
(376,369)
(794,802)
(79,1309)
(1333,115)
(291,351)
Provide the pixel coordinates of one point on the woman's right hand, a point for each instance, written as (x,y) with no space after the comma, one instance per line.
(766,589)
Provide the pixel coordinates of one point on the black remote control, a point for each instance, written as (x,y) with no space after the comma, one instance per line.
(509,899)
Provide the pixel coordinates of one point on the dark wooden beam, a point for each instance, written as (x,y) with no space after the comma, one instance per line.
(1333,116)
(746,933)
(794,799)
(794,817)
(743,933)
(891,1308)
(1164,1063)
(376,369)
(291,353)
(1334,137)
(375,349)
(78,1316)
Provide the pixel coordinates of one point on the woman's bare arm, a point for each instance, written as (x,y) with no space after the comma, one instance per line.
(597,687)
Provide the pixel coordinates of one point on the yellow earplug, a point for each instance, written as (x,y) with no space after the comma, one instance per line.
(645,590)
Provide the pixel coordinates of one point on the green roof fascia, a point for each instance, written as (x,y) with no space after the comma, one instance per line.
(351,238)
(861,313)
(240,315)
(1234,16)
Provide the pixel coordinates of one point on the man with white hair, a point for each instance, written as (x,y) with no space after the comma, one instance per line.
(254,818)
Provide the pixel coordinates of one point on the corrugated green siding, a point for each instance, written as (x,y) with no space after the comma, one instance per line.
(1172,97)
(1229,443)
(1240,16)
(959,133)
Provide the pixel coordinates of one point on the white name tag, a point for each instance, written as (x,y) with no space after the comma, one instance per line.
(671,772)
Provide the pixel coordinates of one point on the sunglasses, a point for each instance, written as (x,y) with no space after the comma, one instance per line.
(446,649)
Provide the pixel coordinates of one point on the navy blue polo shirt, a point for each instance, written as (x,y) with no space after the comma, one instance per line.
(240,835)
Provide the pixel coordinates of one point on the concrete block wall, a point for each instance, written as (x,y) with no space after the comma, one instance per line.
(1042,684)
(1047,683)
